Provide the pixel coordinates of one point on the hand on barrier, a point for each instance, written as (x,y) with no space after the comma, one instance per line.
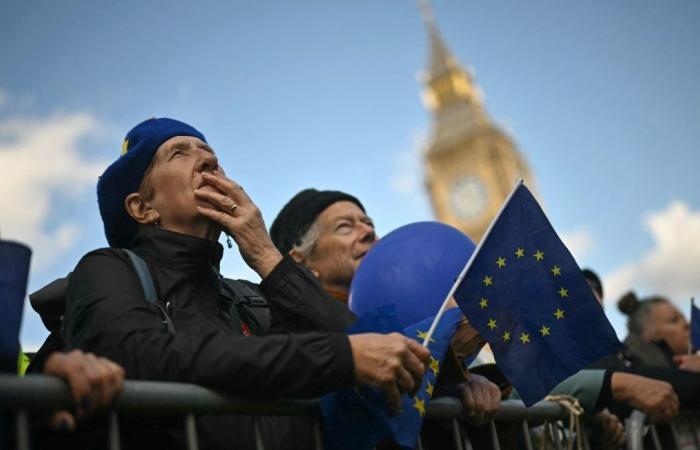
(391,362)
(655,398)
(94,382)
(609,430)
(480,398)
(688,362)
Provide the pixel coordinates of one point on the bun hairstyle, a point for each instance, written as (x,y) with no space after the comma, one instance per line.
(638,311)
(629,303)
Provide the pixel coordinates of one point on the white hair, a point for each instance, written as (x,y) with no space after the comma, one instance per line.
(304,246)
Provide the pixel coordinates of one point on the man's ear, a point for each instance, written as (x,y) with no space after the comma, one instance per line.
(140,210)
(296,256)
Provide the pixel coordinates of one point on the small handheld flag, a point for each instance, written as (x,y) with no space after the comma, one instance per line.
(14,272)
(525,294)
(694,326)
(357,418)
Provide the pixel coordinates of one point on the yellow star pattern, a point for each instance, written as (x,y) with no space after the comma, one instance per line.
(524,338)
(434,365)
(520,252)
(563,292)
(506,336)
(488,281)
(544,330)
(484,302)
(556,270)
(539,255)
(419,405)
(422,335)
(492,324)
(501,262)
(559,313)
(429,389)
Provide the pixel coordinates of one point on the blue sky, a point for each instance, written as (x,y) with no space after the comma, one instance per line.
(601,98)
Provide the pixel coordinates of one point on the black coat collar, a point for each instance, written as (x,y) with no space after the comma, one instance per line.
(177,251)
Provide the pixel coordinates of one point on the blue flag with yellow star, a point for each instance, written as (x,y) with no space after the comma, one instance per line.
(694,325)
(527,297)
(14,272)
(357,419)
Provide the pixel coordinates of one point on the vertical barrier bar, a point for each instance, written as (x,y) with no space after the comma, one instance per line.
(22,430)
(676,436)
(191,432)
(494,436)
(457,435)
(555,435)
(258,434)
(419,443)
(693,429)
(114,443)
(584,439)
(318,436)
(655,438)
(526,435)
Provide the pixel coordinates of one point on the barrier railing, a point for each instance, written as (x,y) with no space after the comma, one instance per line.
(36,393)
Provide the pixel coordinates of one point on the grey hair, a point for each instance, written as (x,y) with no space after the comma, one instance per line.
(639,312)
(304,246)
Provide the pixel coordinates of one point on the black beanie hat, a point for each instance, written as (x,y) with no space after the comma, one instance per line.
(297,216)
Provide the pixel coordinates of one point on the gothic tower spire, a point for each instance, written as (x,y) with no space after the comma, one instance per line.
(471,164)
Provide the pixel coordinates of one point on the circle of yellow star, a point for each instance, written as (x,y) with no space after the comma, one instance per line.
(544,330)
(524,338)
(501,262)
(484,302)
(434,365)
(520,252)
(506,336)
(492,324)
(563,292)
(559,313)
(422,335)
(429,389)
(488,281)
(539,255)
(556,270)
(420,406)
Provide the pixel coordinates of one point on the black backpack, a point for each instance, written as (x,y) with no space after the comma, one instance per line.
(50,302)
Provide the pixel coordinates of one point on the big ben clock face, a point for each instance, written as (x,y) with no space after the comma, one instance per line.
(468,197)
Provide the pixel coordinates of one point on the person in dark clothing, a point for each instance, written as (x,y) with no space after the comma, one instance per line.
(167,200)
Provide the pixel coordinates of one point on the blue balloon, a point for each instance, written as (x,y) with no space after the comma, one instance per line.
(413,268)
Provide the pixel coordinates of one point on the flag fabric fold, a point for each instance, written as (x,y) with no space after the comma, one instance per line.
(527,297)
(357,418)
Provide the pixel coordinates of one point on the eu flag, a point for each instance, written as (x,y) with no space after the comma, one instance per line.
(694,325)
(357,418)
(14,271)
(528,299)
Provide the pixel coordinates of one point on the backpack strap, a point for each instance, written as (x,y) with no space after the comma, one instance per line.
(250,304)
(149,288)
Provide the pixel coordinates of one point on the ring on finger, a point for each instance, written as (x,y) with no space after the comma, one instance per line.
(232,208)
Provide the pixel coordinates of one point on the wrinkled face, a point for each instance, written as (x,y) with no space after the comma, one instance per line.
(175,173)
(667,323)
(345,236)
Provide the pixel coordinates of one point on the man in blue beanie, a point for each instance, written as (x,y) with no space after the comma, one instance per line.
(166,200)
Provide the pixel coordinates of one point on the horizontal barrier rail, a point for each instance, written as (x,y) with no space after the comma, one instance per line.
(33,393)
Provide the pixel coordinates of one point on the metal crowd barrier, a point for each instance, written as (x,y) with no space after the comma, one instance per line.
(21,396)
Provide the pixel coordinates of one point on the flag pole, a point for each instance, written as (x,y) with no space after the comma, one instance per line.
(461,276)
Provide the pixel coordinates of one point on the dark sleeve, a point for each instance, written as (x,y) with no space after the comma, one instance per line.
(298,302)
(106,314)
(605,397)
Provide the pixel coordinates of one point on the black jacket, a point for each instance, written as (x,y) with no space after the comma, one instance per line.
(306,354)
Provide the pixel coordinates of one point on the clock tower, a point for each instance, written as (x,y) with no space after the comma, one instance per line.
(471,164)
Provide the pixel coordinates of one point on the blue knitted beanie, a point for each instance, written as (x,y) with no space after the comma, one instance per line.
(124,175)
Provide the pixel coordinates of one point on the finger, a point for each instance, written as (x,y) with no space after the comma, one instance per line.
(422,353)
(467,399)
(415,368)
(62,421)
(227,186)
(70,366)
(223,202)
(215,215)
(406,382)
(393,398)
(94,376)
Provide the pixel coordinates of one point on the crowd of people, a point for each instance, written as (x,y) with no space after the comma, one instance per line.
(165,203)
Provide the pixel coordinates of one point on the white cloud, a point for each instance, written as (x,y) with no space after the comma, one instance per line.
(580,242)
(39,163)
(671,266)
(408,178)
